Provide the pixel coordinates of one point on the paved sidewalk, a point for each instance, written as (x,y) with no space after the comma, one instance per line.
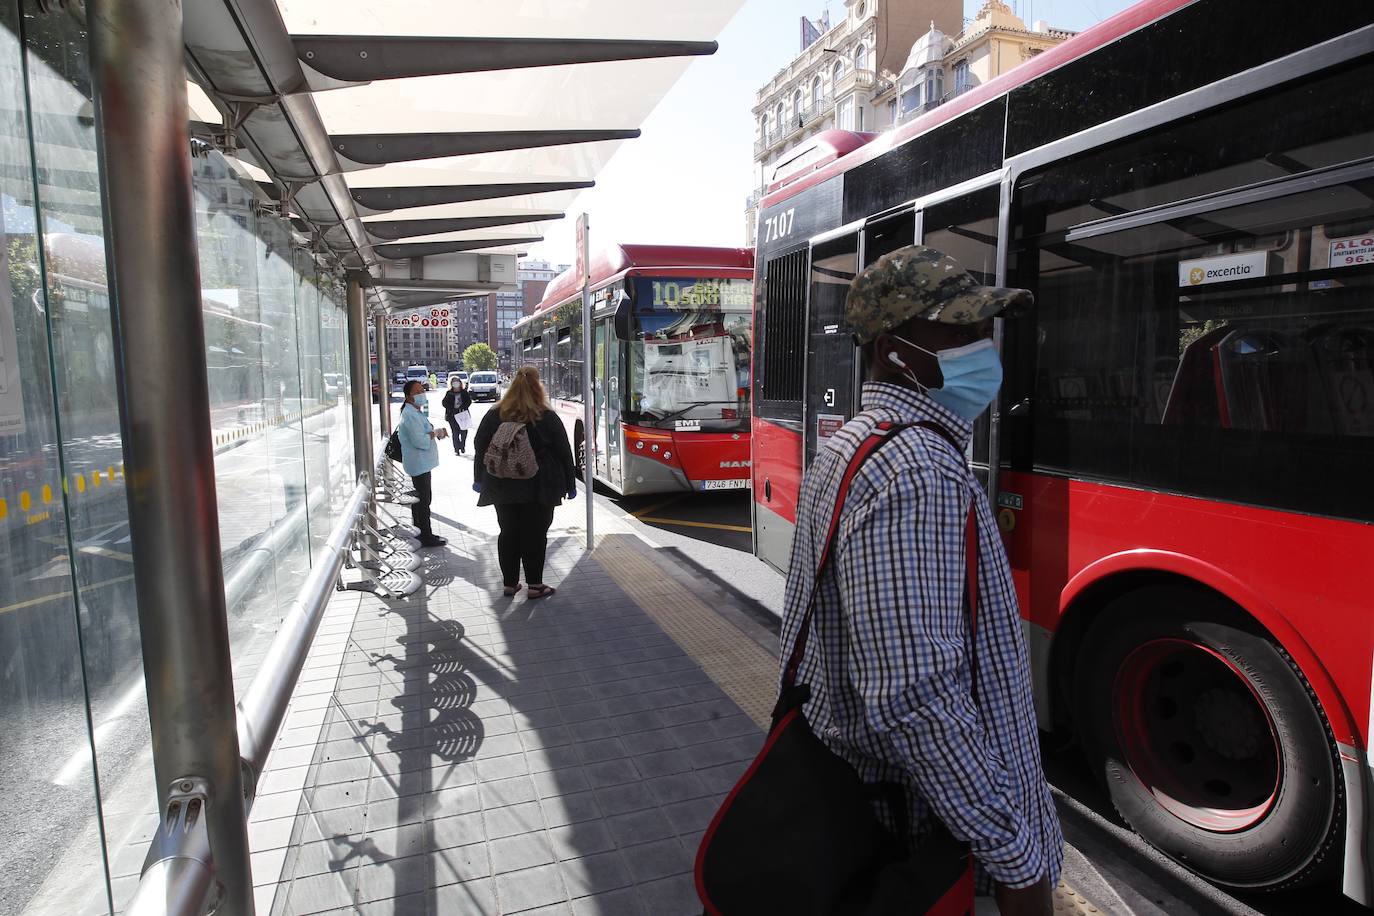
(463,752)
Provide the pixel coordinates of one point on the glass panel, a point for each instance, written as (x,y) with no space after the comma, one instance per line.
(88,550)
(315,416)
(337,395)
(601,332)
(613,399)
(691,352)
(966,229)
(830,354)
(243,408)
(1210,359)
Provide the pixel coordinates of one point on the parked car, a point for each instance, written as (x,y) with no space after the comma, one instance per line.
(485,386)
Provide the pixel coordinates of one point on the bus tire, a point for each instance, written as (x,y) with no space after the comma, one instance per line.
(1209,740)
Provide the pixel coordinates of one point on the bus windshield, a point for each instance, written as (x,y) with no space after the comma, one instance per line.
(690,352)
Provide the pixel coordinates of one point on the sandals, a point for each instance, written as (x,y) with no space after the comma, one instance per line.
(540,591)
(510,590)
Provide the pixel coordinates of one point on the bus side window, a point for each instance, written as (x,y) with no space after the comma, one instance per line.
(966,229)
(888,234)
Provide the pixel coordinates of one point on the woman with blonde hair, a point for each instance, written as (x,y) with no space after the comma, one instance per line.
(523,466)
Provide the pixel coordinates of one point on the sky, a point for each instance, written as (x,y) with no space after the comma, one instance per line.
(685,180)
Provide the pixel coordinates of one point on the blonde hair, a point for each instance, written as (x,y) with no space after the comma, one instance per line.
(525,400)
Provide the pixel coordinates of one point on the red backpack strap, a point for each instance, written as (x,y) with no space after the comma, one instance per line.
(880,434)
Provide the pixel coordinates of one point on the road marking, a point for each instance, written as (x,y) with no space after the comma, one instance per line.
(653,507)
(107,552)
(673,521)
(57,596)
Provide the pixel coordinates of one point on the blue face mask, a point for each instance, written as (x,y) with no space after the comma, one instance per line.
(421,402)
(973,375)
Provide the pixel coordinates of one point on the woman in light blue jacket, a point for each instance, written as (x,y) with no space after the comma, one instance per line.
(419,456)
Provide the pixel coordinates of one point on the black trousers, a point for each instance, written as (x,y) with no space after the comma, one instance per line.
(523,539)
(460,436)
(419,510)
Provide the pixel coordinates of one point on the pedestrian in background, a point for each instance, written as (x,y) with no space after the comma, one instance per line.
(420,456)
(457,401)
(907,684)
(523,465)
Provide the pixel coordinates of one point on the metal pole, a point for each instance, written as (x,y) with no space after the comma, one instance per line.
(364,447)
(139,78)
(383,375)
(589,353)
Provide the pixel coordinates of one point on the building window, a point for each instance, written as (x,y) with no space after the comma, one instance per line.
(797,106)
(779,117)
(845,120)
(860,10)
(816,94)
(962,77)
(860,58)
(837,72)
(892,112)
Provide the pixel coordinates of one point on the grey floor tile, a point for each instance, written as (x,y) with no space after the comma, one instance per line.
(476,897)
(573,841)
(498,793)
(692,816)
(513,819)
(677,787)
(524,890)
(611,773)
(639,827)
(459,830)
(552,783)
(570,809)
(519,852)
(623,902)
(663,763)
(594,874)
(659,859)
(675,896)
(622,799)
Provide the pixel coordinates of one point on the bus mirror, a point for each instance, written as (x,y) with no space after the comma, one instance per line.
(622,321)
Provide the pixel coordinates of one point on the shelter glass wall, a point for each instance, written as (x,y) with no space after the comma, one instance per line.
(76,792)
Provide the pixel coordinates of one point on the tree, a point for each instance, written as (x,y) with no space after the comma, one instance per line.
(479,358)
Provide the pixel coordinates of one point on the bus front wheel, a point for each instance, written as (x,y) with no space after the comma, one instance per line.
(1209,740)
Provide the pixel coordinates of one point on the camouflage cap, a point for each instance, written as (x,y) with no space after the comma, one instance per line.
(921,282)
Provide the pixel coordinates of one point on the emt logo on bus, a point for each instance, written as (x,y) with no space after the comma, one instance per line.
(1223,269)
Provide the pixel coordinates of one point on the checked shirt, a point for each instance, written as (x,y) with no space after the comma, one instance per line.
(888,658)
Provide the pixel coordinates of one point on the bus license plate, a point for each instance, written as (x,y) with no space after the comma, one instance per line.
(742,484)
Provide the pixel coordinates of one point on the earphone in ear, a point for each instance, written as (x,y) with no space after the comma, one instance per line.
(896,360)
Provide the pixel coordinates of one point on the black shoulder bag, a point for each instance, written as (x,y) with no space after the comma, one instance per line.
(797,834)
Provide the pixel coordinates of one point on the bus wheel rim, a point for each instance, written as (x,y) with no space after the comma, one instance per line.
(1197,735)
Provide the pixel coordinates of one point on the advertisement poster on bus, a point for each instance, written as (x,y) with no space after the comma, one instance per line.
(11,392)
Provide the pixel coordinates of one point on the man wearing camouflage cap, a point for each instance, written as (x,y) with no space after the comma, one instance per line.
(892,654)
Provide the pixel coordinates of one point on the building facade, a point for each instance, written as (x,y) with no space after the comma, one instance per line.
(941,67)
(886,62)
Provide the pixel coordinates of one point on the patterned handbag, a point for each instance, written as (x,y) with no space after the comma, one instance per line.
(797,834)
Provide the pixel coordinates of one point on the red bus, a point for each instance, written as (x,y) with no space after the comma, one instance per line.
(672,343)
(1187,422)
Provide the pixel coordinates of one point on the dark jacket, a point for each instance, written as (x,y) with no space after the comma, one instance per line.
(456,405)
(555,478)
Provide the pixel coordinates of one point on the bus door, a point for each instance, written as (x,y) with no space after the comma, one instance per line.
(831,357)
(610,429)
(601,334)
(965,227)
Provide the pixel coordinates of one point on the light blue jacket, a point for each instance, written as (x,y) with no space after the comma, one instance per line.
(419,453)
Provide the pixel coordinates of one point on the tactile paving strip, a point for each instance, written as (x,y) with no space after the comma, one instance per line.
(1069,901)
(743,669)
